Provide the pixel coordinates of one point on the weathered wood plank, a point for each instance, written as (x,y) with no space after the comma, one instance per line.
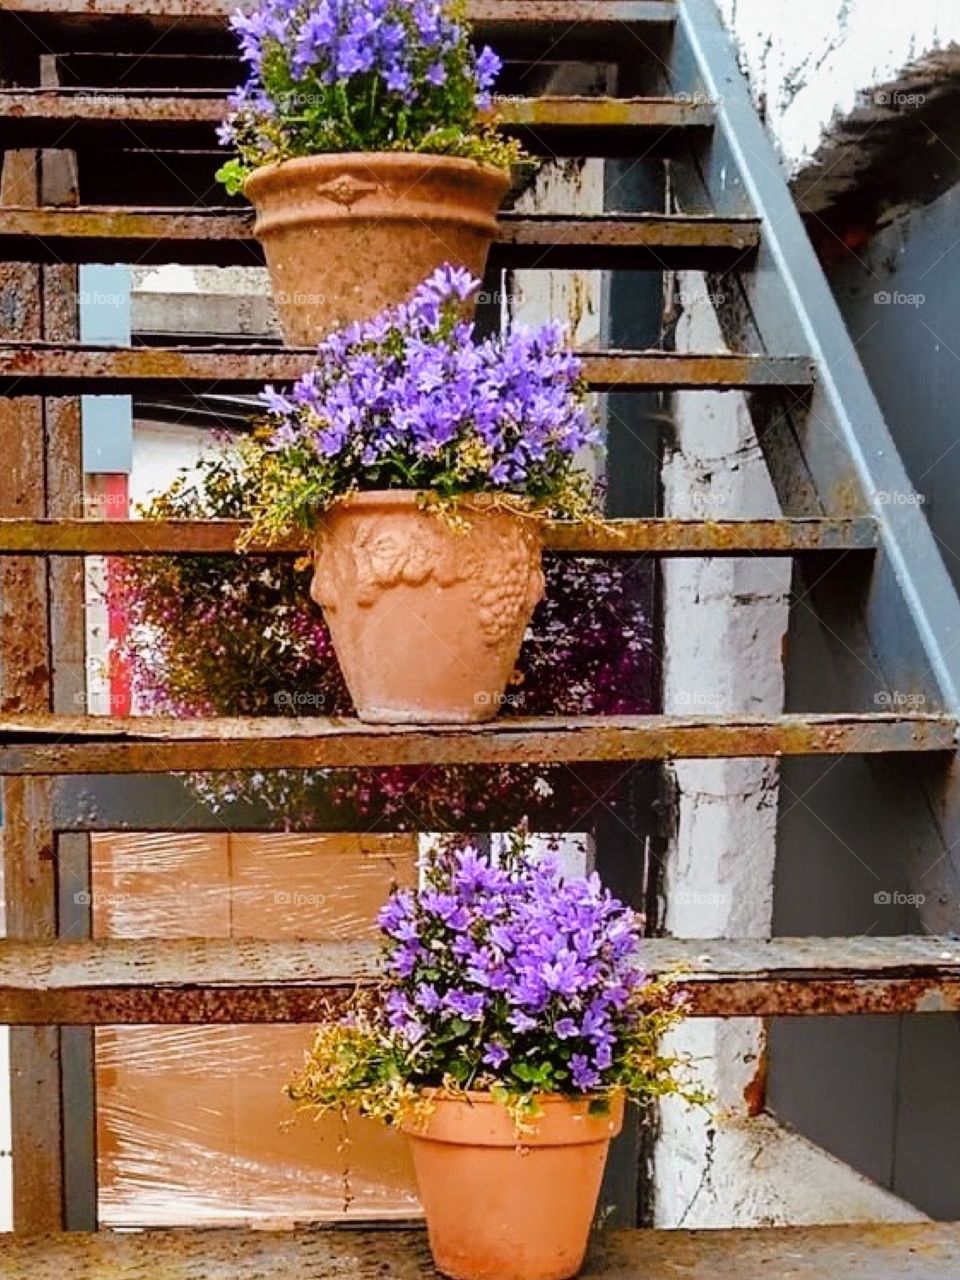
(224,237)
(191,981)
(29,368)
(145,744)
(896,1251)
(659,536)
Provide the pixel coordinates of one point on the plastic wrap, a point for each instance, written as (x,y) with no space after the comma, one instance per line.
(192,1124)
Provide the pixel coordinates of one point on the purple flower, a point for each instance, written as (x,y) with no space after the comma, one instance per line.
(414,393)
(521,1022)
(465,1004)
(507,970)
(583,1075)
(340,58)
(426,998)
(495,1055)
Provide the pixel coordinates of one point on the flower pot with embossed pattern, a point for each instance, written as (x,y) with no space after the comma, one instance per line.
(348,235)
(427,618)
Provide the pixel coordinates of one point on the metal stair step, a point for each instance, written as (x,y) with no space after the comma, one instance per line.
(559,126)
(57,744)
(247,980)
(893,1251)
(540,28)
(660,536)
(41,368)
(224,237)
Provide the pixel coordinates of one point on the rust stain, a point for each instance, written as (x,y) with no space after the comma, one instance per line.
(660,536)
(56,369)
(33,109)
(63,745)
(248,981)
(755,1092)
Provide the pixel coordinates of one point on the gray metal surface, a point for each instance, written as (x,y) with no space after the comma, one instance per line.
(912,612)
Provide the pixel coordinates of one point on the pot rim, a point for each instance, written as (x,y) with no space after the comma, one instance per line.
(486,1097)
(482,497)
(381,159)
(481,502)
(478,1119)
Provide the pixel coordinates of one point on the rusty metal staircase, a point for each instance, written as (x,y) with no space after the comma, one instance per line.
(102,97)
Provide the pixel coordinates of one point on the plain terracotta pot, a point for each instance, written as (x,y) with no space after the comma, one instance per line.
(426,620)
(347,235)
(505,1207)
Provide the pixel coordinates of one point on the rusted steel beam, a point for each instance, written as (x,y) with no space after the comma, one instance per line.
(564,28)
(894,1251)
(224,237)
(39,669)
(145,744)
(532,12)
(31,368)
(658,536)
(163,981)
(551,125)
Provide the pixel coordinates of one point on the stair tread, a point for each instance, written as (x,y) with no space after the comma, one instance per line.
(895,1251)
(159,119)
(244,980)
(658,535)
(599,24)
(56,744)
(224,237)
(71,368)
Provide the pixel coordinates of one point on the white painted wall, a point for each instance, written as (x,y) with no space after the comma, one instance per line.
(724,625)
(809,61)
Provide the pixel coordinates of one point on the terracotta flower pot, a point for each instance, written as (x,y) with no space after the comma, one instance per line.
(347,235)
(427,620)
(499,1205)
